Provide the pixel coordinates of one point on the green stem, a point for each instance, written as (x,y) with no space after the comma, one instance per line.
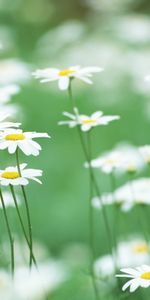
(91,223)
(21,222)
(27,211)
(9,234)
(92,176)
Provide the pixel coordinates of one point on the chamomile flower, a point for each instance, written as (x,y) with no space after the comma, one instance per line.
(13,138)
(139,277)
(87,122)
(127,196)
(11,175)
(145,152)
(6,125)
(63,76)
(124,158)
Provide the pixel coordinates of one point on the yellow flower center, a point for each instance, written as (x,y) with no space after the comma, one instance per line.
(15,137)
(141,248)
(65,72)
(10,175)
(111,161)
(145,275)
(131,168)
(89,121)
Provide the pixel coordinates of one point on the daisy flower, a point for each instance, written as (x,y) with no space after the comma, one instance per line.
(124,158)
(63,76)
(87,122)
(11,175)
(123,196)
(6,125)
(13,138)
(139,277)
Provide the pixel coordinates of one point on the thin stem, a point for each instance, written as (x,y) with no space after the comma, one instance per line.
(92,176)
(21,222)
(27,211)
(91,223)
(9,234)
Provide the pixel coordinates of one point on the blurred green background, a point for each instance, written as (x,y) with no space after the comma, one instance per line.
(112,34)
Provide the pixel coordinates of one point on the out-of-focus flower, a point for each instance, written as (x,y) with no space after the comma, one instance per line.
(87,122)
(7,92)
(35,285)
(128,195)
(147,78)
(11,175)
(128,253)
(12,70)
(6,125)
(139,277)
(123,158)
(8,200)
(13,139)
(145,152)
(6,291)
(63,76)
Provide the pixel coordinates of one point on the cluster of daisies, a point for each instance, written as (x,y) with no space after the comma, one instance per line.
(123,159)
(15,140)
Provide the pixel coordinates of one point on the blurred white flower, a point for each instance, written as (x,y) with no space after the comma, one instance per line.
(145,152)
(11,175)
(8,200)
(13,70)
(63,76)
(87,122)
(128,253)
(6,286)
(124,158)
(6,125)
(7,92)
(126,196)
(147,78)
(36,284)
(13,139)
(139,277)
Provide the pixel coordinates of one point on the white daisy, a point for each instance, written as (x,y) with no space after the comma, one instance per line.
(145,152)
(87,122)
(63,76)
(11,175)
(6,125)
(127,196)
(124,158)
(13,138)
(7,91)
(139,277)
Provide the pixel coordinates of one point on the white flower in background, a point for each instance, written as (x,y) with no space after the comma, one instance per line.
(145,152)
(35,285)
(133,252)
(6,286)
(124,158)
(7,92)
(87,122)
(8,199)
(13,138)
(126,196)
(128,253)
(139,277)
(63,76)
(6,125)
(13,70)
(11,175)
(147,78)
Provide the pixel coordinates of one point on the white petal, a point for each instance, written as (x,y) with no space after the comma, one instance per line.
(63,83)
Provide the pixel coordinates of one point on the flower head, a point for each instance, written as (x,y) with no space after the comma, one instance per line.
(139,277)
(11,175)
(14,138)
(63,76)
(87,122)
(7,91)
